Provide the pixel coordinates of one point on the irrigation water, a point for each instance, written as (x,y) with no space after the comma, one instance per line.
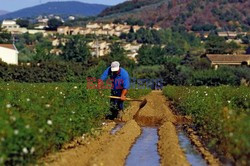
(144,152)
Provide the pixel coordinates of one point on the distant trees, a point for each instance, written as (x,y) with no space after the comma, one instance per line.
(150,55)
(205,27)
(23,23)
(5,37)
(218,45)
(76,50)
(54,23)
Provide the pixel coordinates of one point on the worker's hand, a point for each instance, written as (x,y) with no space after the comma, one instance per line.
(123,97)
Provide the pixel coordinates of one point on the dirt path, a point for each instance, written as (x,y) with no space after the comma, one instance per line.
(107,150)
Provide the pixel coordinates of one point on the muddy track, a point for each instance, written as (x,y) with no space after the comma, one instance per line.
(105,149)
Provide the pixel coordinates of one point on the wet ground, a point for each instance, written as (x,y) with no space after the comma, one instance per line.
(144,152)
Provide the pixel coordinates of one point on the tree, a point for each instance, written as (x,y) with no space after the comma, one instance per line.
(76,50)
(215,45)
(23,23)
(149,55)
(54,23)
(117,53)
(5,37)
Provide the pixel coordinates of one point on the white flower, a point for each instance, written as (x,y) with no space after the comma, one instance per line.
(32,150)
(40,130)
(16,132)
(73,112)
(61,93)
(70,119)
(47,105)
(56,88)
(8,105)
(49,122)
(25,150)
(13,118)
(42,97)
(103,123)
(27,126)
(75,87)
(83,136)
(229,101)
(28,99)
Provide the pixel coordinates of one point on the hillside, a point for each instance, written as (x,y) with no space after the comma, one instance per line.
(2,12)
(59,8)
(228,14)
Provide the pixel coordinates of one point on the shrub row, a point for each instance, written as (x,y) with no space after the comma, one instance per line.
(221,115)
(36,119)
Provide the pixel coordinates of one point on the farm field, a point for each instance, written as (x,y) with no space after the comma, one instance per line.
(36,119)
(63,123)
(221,116)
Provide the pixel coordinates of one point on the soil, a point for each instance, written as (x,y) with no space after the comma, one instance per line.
(104,149)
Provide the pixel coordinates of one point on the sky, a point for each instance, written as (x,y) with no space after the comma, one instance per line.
(13,5)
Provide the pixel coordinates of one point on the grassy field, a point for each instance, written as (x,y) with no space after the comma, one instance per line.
(221,116)
(36,119)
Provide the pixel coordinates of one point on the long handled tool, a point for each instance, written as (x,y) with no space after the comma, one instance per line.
(142,104)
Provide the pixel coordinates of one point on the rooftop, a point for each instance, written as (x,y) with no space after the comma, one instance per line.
(228,58)
(10,46)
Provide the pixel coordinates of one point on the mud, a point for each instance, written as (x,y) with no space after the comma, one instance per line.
(211,160)
(168,146)
(116,151)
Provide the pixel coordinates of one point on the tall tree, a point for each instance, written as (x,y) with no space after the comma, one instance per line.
(54,23)
(76,50)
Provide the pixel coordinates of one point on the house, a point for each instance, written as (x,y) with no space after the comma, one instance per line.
(71,18)
(12,27)
(9,24)
(136,28)
(107,26)
(93,26)
(228,59)
(63,30)
(9,54)
(228,34)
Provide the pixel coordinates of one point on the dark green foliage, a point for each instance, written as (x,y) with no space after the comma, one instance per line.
(5,37)
(23,23)
(218,45)
(54,24)
(149,55)
(43,72)
(76,50)
(206,27)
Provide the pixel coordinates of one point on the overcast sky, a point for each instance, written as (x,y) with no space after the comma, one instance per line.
(12,5)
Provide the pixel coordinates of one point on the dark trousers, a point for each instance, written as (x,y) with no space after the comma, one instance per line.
(115,104)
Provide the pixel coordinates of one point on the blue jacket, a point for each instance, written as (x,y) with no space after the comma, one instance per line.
(119,81)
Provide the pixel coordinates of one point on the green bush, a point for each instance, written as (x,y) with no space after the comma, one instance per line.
(36,119)
(221,115)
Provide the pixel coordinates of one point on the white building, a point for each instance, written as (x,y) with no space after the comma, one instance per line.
(9,24)
(9,54)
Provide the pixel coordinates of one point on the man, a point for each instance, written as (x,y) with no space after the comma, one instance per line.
(120,80)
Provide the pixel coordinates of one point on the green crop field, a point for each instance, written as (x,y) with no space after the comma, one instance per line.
(221,115)
(36,119)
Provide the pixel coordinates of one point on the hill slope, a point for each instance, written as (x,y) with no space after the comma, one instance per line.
(167,13)
(60,8)
(2,12)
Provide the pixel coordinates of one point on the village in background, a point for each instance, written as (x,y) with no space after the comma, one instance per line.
(102,37)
